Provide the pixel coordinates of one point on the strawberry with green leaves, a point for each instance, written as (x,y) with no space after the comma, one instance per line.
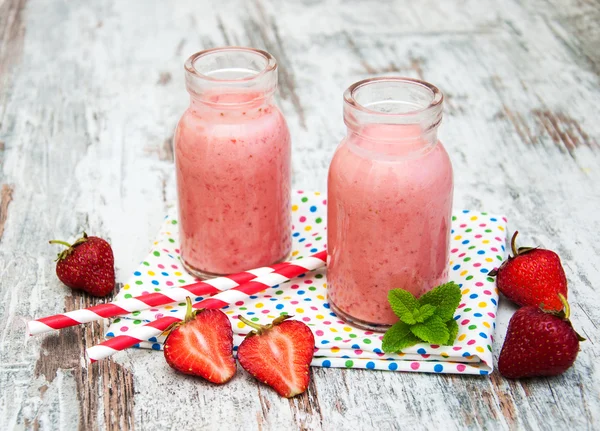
(427,319)
(539,343)
(532,276)
(88,264)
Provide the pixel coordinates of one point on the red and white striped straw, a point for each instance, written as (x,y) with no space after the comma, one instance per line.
(143,302)
(220,300)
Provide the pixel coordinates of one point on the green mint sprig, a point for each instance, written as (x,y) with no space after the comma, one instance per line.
(429,318)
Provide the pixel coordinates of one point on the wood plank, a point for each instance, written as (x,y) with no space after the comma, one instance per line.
(5,198)
(104,390)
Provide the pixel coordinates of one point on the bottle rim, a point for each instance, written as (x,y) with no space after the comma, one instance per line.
(434,105)
(270,64)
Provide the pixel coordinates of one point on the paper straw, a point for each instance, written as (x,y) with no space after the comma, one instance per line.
(220,300)
(143,302)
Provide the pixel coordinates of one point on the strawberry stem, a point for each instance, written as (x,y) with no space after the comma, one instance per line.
(55,241)
(189,312)
(565,304)
(256,326)
(81,240)
(513,244)
(567,312)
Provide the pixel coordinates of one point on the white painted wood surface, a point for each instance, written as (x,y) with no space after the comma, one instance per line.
(89,96)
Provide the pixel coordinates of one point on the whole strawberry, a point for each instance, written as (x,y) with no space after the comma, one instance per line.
(202,345)
(279,354)
(538,343)
(87,264)
(532,276)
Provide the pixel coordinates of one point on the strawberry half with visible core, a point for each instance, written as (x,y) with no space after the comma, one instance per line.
(279,354)
(88,264)
(532,276)
(202,345)
(539,343)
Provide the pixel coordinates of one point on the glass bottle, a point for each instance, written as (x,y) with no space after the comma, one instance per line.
(232,156)
(390,190)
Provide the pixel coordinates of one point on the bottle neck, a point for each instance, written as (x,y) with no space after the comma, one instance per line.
(221,107)
(224,100)
(231,80)
(392,140)
(393,116)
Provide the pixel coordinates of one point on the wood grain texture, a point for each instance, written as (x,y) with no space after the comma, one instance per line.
(5,199)
(90,93)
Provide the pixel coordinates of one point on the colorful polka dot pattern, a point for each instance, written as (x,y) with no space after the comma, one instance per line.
(477,246)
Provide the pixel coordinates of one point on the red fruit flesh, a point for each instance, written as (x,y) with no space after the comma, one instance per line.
(280,356)
(88,265)
(537,344)
(203,347)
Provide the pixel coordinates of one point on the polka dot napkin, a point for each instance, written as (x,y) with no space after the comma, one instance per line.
(477,246)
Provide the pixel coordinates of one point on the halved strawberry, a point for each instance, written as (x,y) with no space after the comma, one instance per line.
(202,346)
(279,354)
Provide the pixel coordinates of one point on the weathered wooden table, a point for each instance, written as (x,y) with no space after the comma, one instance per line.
(89,97)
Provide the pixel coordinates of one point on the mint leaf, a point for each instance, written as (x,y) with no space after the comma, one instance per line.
(403,304)
(445,298)
(423,313)
(398,337)
(453,330)
(428,319)
(433,330)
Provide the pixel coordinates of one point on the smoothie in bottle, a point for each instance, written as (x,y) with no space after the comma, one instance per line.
(232,154)
(390,192)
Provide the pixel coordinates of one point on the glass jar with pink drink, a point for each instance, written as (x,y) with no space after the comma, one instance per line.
(232,155)
(390,190)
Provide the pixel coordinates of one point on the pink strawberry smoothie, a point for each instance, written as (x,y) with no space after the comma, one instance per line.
(232,154)
(389,214)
